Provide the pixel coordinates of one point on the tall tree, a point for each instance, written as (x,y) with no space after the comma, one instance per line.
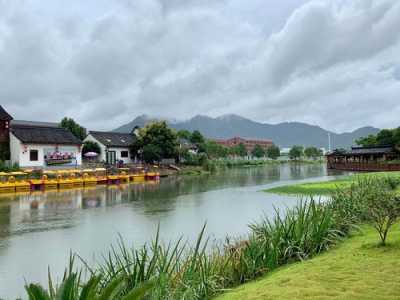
(197,138)
(273,152)
(75,128)
(258,151)
(240,150)
(313,152)
(156,141)
(296,152)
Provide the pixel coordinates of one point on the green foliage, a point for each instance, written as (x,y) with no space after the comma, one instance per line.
(239,150)
(215,150)
(72,287)
(258,151)
(75,128)
(8,168)
(90,146)
(156,141)
(197,138)
(313,152)
(184,134)
(273,152)
(151,153)
(384,137)
(296,152)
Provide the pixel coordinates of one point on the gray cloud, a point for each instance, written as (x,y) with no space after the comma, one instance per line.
(333,63)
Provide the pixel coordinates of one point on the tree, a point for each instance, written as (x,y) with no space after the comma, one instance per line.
(385,137)
(258,151)
(73,127)
(273,152)
(313,152)
(296,152)
(156,141)
(215,150)
(184,134)
(383,206)
(370,140)
(240,150)
(197,138)
(90,146)
(151,153)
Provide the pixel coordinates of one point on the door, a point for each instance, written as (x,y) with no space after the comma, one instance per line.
(111,157)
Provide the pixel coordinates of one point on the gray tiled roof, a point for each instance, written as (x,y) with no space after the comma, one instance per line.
(113,139)
(44,135)
(371,150)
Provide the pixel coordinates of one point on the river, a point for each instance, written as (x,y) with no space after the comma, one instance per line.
(39,230)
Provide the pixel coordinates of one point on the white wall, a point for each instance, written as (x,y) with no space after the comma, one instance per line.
(104,149)
(126,160)
(20,153)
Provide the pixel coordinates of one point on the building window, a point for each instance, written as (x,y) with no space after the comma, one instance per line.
(124,154)
(34,155)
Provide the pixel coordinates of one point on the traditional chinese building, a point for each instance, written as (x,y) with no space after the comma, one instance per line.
(374,158)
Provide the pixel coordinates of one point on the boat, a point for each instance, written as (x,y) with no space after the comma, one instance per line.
(21,181)
(6,185)
(123,175)
(138,177)
(113,178)
(76,177)
(152,175)
(101,175)
(49,180)
(89,177)
(64,179)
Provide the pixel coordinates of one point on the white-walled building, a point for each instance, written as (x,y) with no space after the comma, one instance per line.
(114,146)
(41,145)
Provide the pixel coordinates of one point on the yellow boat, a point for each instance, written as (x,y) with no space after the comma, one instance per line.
(49,180)
(101,175)
(89,178)
(64,180)
(152,175)
(123,175)
(76,177)
(138,177)
(7,185)
(21,181)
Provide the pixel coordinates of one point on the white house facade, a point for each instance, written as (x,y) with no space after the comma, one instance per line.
(114,146)
(43,146)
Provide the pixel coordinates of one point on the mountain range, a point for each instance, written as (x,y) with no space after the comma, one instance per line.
(284,134)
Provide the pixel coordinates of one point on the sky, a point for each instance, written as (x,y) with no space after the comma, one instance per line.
(332,63)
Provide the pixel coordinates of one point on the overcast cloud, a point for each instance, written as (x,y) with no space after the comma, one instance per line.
(331,63)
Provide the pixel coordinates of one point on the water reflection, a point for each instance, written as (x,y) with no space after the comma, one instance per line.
(39,229)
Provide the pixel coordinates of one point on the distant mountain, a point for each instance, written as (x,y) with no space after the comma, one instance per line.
(283,134)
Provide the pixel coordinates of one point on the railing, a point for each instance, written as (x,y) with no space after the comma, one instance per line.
(352,166)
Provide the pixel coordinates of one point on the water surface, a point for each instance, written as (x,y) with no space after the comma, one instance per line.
(40,229)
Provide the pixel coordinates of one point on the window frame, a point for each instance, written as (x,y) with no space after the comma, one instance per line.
(124,152)
(31,151)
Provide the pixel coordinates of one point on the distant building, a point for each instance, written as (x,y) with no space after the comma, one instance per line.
(114,146)
(248,143)
(38,144)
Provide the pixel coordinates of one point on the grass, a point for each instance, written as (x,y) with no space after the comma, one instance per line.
(326,188)
(356,269)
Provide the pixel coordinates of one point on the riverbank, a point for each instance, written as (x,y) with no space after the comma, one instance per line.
(355,269)
(325,188)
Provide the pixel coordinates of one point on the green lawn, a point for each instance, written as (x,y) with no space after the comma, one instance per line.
(326,187)
(356,269)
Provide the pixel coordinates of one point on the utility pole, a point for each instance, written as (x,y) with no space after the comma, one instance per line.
(329,141)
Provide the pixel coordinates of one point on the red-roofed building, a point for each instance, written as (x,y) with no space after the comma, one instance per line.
(248,143)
